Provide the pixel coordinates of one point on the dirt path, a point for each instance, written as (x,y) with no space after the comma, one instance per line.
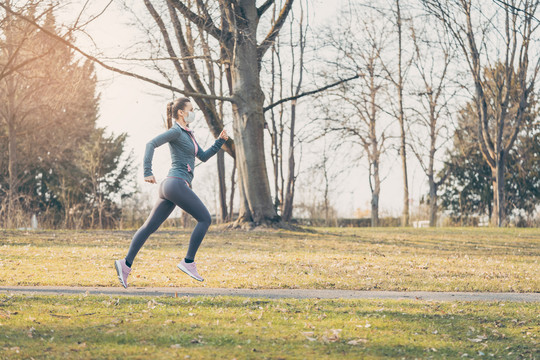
(275,293)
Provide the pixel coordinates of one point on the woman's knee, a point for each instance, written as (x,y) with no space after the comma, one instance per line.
(206,217)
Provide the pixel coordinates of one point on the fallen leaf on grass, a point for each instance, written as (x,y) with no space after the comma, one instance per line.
(478,338)
(152,304)
(30,332)
(357,341)
(333,337)
(367,325)
(309,335)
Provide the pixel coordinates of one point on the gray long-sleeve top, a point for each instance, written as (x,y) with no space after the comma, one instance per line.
(183,148)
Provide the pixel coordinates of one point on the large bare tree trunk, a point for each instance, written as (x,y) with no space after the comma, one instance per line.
(249,126)
(249,120)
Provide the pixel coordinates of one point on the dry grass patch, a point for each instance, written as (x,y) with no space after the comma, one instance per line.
(441,259)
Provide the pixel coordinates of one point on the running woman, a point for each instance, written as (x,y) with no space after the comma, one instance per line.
(175,189)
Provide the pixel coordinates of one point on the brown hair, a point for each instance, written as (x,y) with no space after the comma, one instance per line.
(173,107)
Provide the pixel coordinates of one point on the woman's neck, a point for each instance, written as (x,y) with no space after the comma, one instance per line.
(182,122)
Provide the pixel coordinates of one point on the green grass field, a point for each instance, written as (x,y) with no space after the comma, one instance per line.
(101,327)
(450,259)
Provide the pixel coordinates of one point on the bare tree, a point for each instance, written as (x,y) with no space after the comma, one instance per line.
(323,166)
(357,118)
(284,190)
(478,35)
(320,177)
(396,73)
(287,209)
(432,63)
(277,126)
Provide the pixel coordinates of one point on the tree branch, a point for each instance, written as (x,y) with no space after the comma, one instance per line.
(273,33)
(159,21)
(261,9)
(312,91)
(5,72)
(112,68)
(206,23)
(516,9)
(189,64)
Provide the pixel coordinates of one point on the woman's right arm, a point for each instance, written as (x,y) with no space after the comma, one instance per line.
(159,140)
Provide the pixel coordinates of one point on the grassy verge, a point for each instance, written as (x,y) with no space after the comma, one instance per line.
(447,259)
(79,326)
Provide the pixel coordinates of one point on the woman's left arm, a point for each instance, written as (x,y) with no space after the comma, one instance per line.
(204,155)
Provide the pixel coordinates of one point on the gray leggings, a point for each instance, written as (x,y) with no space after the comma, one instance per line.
(173,192)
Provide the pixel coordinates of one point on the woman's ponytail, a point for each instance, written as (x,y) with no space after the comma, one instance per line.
(169,115)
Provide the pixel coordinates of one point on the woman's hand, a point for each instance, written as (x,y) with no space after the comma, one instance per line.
(150,179)
(223,135)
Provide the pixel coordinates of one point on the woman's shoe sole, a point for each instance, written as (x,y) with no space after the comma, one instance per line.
(119,272)
(181,267)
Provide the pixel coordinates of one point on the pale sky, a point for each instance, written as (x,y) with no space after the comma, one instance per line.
(138,108)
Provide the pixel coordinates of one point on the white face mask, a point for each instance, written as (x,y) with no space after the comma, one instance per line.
(190,118)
